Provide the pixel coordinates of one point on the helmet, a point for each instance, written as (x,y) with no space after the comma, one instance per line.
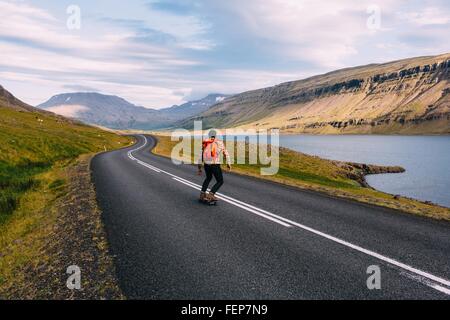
(212,134)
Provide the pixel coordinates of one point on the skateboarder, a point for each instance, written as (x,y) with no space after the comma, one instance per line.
(210,157)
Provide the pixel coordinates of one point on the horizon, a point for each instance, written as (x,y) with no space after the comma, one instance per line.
(159,54)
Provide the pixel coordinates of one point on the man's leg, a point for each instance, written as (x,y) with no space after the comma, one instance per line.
(217,172)
(209,175)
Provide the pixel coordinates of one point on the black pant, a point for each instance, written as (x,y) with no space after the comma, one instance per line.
(216,171)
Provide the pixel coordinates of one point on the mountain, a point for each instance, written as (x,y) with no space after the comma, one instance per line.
(105,110)
(193,108)
(117,113)
(407,96)
(10,103)
(7,100)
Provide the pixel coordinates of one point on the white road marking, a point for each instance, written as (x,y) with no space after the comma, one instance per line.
(148,166)
(440,288)
(426,282)
(425,276)
(222,196)
(245,207)
(342,242)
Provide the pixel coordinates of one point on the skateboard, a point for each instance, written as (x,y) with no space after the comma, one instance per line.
(208,202)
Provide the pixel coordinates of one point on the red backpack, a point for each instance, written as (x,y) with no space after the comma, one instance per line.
(212,150)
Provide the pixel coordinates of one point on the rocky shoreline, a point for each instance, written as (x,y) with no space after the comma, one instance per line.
(358,171)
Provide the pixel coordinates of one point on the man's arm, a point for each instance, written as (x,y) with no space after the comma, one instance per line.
(200,163)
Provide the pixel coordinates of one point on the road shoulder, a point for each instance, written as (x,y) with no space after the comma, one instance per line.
(63,228)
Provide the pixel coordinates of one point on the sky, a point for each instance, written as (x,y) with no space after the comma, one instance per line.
(157,53)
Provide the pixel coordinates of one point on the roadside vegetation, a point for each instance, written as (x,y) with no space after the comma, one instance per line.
(31,143)
(37,152)
(335,178)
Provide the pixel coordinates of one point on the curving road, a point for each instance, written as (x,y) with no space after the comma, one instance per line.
(263,240)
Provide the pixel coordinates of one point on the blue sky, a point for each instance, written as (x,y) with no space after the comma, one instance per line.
(157,53)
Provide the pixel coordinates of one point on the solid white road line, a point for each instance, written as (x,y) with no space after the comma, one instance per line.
(235,202)
(440,288)
(342,242)
(239,205)
(425,276)
(223,197)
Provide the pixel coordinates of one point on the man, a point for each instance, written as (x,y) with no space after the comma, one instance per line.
(210,157)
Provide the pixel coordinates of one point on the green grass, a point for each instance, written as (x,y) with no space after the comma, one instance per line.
(315,178)
(14,181)
(293,166)
(57,184)
(32,142)
(36,150)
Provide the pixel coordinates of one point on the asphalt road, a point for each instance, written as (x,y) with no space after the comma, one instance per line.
(262,241)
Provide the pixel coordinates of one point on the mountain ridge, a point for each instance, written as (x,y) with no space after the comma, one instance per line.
(8,100)
(117,113)
(404,96)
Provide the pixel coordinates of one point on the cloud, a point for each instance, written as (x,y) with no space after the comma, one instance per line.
(80,88)
(68,110)
(36,47)
(427,16)
(159,53)
(174,7)
(322,33)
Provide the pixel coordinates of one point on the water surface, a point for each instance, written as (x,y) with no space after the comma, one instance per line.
(425,158)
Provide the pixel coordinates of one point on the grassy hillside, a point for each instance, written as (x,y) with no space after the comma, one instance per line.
(31,142)
(332,177)
(410,96)
(48,213)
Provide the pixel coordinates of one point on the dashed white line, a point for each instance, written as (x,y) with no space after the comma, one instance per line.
(437,283)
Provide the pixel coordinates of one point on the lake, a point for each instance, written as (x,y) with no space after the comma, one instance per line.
(425,158)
